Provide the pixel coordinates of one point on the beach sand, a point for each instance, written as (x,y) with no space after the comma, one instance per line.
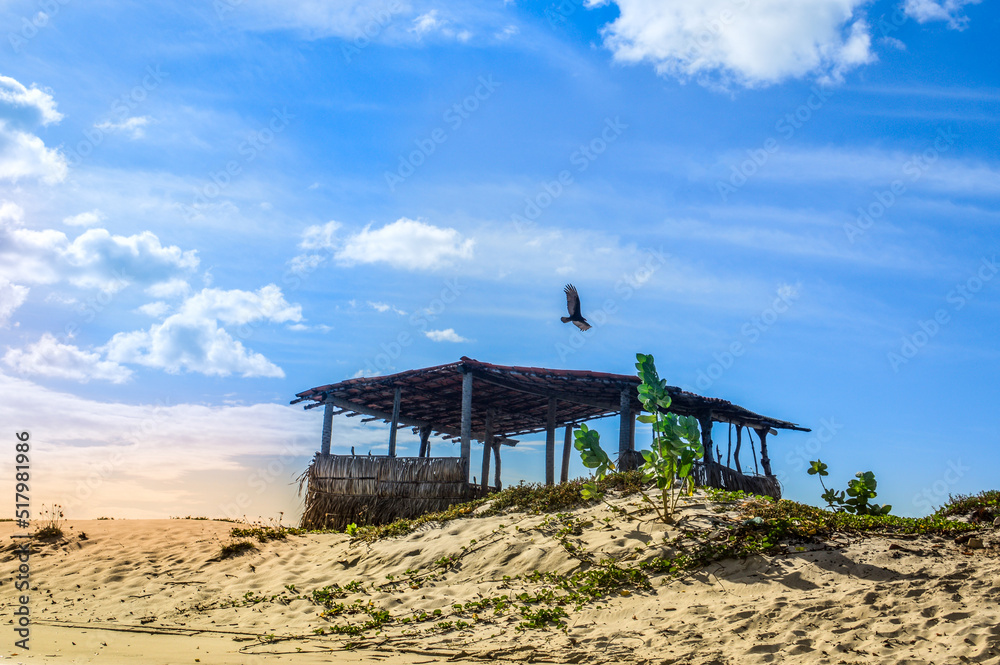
(157,591)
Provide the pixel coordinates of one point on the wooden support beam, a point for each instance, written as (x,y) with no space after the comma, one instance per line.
(550,443)
(543,392)
(567,445)
(625,420)
(394,423)
(425,441)
(496,458)
(706,437)
(739,442)
(487,445)
(765,461)
(324,446)
(466,422)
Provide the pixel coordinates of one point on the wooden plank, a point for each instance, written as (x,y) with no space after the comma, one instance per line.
(567,445)
(487,446)
(425,442)
(466,421)
(395,422)
(542,392)
(324,447)
(496,458)
(765,461)
(550,443)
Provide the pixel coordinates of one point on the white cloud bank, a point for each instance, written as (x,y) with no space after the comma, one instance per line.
(447,335)
(49,358)
(193,339)
(925,11)
(22,154)
(405,244)
(751,44)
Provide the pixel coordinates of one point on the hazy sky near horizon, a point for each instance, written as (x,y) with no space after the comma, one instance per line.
(208,207)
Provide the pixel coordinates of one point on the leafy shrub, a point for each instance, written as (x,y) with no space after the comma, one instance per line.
(861,489)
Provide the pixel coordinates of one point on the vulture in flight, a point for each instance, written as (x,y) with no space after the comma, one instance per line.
(573,305)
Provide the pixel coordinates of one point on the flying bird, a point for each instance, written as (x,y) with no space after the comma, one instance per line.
(573,305)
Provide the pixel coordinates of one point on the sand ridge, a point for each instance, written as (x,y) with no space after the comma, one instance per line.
(157,591)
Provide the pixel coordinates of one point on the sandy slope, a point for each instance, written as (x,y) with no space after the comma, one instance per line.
(155,591)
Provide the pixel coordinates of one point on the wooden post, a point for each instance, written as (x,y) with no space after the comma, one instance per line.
(739,442)
(324,445)
(567,444)
(625,430)
(764,460)
(496,458)
(395,422)
(487,444)
(550,444)
(425,442)
(467,422)
(706,442)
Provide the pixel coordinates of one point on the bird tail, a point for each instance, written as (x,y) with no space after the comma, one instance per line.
(564,319)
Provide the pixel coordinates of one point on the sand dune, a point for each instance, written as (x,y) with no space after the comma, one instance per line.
(157,591)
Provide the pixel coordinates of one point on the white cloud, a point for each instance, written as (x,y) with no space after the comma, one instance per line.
(320,236)
(22,154)
(428,22)
(407,244)
(447,335)
(48,357)
(924,11)
(12,296)
(94,259)
(85,218)
(753,44)
(28,107)
(385,307)
(193,340)
(155,309)
(171,288)
(134,126)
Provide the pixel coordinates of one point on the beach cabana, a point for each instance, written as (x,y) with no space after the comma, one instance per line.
(471,401)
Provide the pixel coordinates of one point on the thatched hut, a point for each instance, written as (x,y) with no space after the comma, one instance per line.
(474,401)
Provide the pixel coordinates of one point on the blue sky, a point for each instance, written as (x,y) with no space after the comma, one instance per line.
(207,208)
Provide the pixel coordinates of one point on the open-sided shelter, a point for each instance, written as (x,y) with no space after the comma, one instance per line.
(471,401)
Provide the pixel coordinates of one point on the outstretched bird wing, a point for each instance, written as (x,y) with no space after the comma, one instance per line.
(572,302)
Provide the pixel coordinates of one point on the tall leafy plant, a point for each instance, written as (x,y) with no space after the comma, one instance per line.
(675,448)
(676,444)
(860,490)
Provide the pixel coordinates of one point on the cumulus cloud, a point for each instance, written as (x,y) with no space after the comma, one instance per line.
(22,154)
(320,236)
(193,339)
(171,288)
(407,244)
(154,309)
(50,358)
(754,44)
(12,296)
(94,259)
(924,11)
(446,335)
